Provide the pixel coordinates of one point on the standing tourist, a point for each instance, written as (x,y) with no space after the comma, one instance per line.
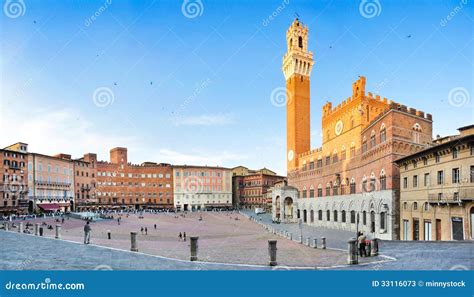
(361,242)
(87,233)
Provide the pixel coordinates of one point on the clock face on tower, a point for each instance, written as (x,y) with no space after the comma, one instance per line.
(339,127)
(290,155)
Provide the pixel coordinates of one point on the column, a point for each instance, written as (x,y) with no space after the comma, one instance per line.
(352,252)
(194,248)
(272,252)
(133,239)
(58,232)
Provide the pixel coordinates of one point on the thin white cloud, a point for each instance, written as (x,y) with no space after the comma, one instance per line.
(199,158)
(59,131)
(204,120)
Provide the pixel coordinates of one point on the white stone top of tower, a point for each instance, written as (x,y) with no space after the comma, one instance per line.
(297,60)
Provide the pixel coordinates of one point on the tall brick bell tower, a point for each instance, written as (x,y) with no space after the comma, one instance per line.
(297,66)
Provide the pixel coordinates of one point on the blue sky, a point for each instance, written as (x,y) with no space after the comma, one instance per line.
(196,88)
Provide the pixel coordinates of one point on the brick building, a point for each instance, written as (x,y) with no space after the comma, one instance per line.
(202,187)
(350,181)
(249,187)
(85,173)
(13,179)
(437,190)
(121,184)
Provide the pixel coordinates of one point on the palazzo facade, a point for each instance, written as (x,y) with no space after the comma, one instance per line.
(351,182)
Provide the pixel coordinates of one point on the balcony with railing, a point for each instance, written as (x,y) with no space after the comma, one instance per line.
(52,198)
(51,184)
(453,196)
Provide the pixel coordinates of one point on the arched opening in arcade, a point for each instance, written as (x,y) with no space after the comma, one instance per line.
(277,207)
(288,208)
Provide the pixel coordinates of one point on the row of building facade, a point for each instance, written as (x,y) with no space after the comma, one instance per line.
(32,182)
(378,169)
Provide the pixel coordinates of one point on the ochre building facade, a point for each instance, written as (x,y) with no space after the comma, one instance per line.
(437,190)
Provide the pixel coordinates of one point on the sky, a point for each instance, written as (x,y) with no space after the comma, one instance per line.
(197,82)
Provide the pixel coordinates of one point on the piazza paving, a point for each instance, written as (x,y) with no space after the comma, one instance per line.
(224,237)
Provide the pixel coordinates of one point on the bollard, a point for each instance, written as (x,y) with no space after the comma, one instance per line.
(58,232)
(315,243)
(109,236)
(272,252)
(133,238)
(41,231)
(37,229)
(194,248)
(323,242)
(290,236)
(7,226)
(374,247)
(307,241)
(20,227)
(352,249)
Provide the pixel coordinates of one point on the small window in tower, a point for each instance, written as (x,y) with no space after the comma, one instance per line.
(300,42)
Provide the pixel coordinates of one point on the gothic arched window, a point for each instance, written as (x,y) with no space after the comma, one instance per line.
(300,42)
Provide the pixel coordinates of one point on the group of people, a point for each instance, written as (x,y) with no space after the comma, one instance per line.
(182,236)
(362,244)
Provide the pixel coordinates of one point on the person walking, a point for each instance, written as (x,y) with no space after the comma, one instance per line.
(141,230)
(155,226)
(146,231)
(180,236)
(361,241)
(184,236)
(87,233)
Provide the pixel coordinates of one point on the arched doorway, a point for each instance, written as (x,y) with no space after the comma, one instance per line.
(31,207)
(277,207)
(304,216)
(311,216)
(288,208)
(372,221)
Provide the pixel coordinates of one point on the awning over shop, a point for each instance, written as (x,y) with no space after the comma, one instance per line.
(64,204)
(49,206)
